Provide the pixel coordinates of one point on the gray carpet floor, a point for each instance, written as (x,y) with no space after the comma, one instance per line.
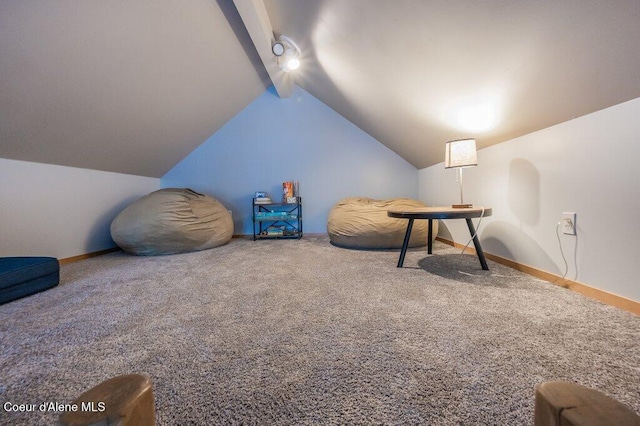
(302,332)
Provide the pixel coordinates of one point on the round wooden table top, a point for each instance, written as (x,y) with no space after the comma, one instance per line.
(446,212)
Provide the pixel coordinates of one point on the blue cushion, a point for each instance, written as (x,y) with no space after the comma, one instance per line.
(23,276)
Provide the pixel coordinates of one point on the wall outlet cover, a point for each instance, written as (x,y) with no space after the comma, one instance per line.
(569,223)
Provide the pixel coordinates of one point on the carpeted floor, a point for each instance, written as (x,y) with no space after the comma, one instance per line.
(302,332)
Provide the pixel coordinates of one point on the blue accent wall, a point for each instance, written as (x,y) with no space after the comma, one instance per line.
(274,140)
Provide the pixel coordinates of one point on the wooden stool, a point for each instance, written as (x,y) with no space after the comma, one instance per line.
(123,401)
(571,404)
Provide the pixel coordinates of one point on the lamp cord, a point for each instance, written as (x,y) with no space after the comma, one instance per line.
(566,265)
(564,259)
(475,233)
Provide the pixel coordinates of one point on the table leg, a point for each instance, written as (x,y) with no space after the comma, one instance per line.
(405,244)
(476,243)
(429,237)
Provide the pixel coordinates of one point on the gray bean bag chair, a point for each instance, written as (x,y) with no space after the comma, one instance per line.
(360,222)
(171,221)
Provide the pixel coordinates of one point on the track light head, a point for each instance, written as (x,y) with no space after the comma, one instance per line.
(278,48)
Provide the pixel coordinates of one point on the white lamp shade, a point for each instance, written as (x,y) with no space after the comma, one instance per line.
(460,153)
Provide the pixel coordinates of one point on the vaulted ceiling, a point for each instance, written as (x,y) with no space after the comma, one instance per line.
(133,86)
(129,86)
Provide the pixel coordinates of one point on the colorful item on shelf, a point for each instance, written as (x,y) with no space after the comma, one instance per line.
(272,214)
(274,230)
(262,198)
(287,192)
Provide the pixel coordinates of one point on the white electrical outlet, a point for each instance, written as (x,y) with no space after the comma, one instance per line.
(569,223)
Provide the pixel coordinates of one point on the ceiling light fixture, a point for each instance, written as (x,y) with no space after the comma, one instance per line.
(287,52)
(277,48)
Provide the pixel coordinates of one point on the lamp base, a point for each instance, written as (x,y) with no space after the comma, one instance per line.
(461,206)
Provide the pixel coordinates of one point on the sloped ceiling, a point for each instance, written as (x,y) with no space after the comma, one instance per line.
(133,86)
(128,86)
(416,73)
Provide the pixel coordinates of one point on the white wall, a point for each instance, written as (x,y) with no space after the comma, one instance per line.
(48,210)
(588,165)
(275,140)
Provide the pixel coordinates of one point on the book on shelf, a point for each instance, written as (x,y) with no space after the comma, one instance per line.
(262,200)
(287,191)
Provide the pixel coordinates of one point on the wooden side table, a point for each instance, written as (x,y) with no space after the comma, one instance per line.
(431,213)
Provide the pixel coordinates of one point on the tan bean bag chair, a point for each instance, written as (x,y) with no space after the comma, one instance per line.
(171,221)
(360,222)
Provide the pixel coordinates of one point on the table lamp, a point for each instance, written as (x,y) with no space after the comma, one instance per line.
(460,153)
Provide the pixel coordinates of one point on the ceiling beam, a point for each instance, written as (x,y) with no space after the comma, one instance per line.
(256,20)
